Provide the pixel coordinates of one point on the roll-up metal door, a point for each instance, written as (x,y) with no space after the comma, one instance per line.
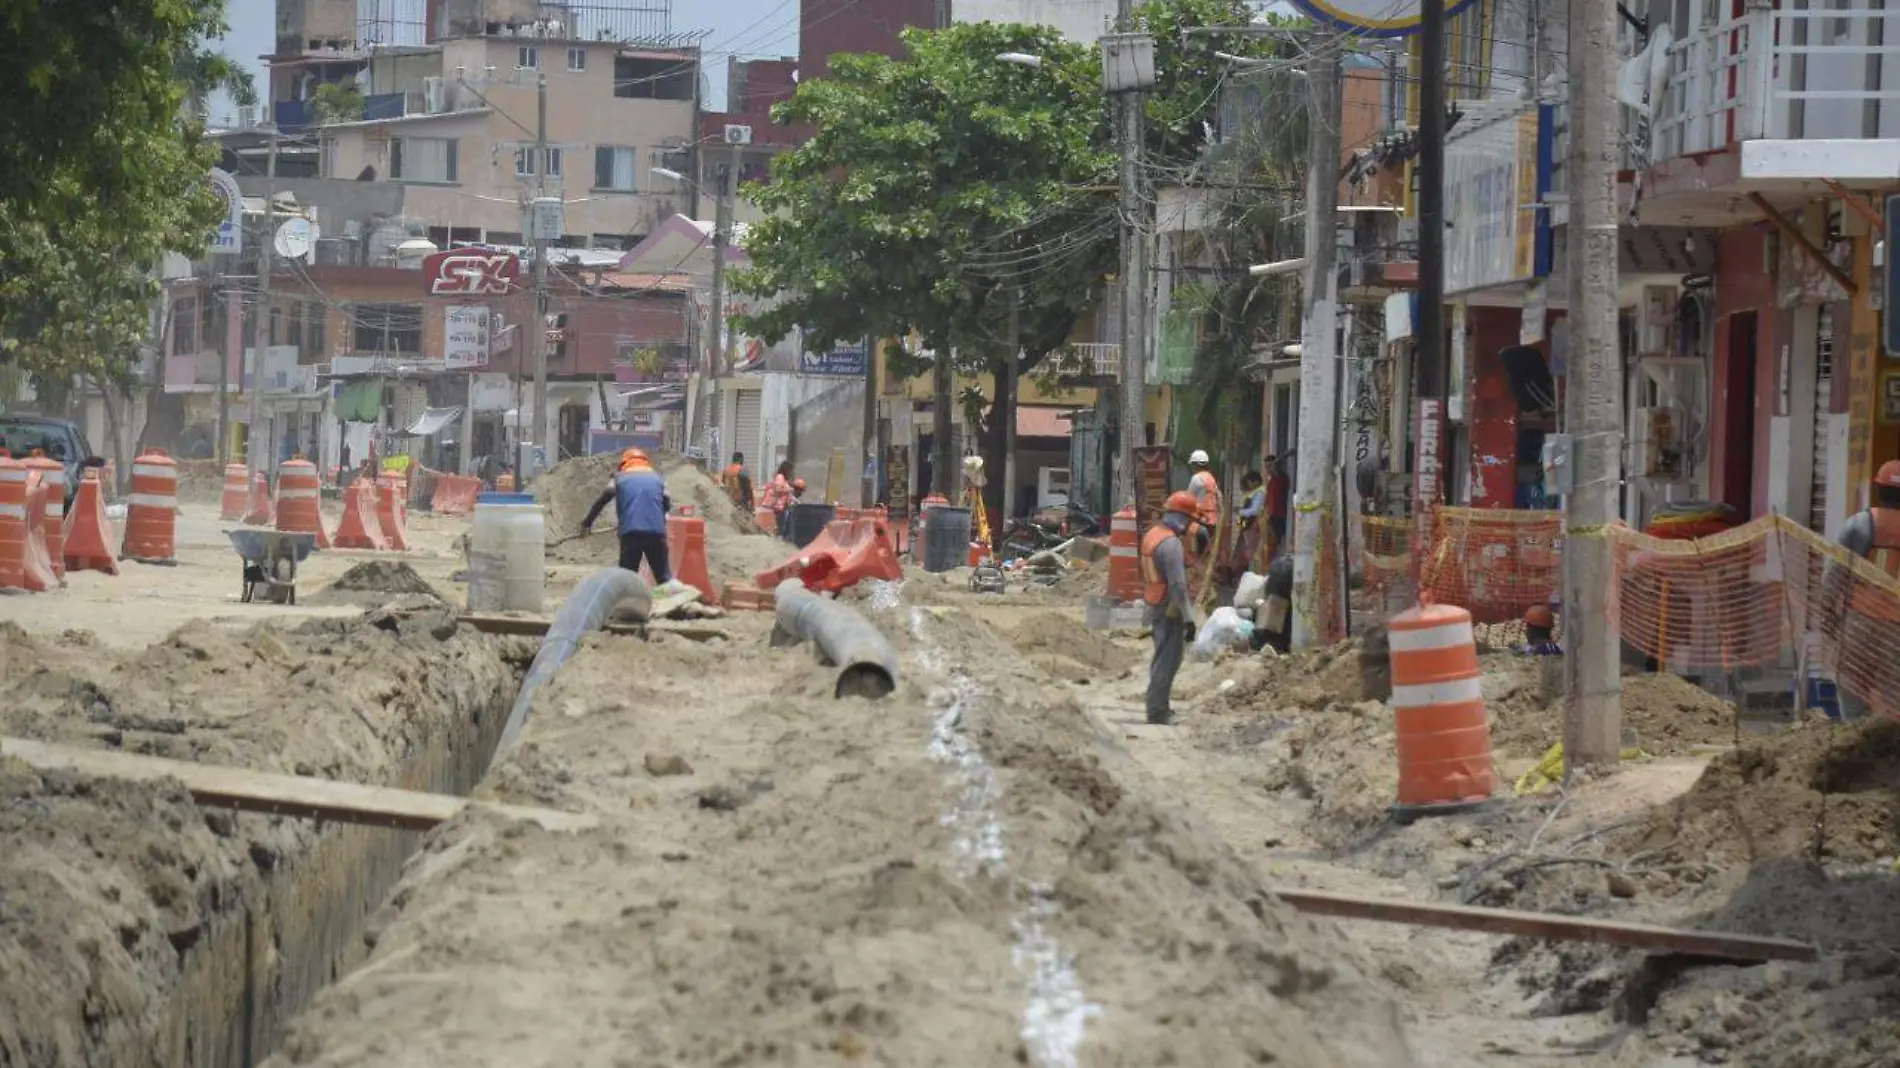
(1823,400)
(745,428)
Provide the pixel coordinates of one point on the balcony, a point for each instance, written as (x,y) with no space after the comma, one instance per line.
(1086,359)
(1799,74)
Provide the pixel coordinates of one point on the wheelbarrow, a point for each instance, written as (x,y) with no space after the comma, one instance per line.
(270,562)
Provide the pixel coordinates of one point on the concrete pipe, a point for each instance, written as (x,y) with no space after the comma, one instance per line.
(585,610)
(866,663)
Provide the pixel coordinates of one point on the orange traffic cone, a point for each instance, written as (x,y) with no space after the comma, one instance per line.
(13,529)
(390,513)
(237,493)
(259,512)
(360,528)
(686,553)
(87,532)
(151,513)
(297,498)
(37,565)
(53,474)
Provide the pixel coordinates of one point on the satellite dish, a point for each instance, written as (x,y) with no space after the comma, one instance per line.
(294,239)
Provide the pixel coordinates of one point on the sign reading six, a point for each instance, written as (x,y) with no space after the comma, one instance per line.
(465,272)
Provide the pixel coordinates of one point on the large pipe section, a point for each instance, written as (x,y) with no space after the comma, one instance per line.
(866,663)
(585,610)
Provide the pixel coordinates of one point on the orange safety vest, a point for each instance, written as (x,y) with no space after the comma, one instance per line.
(730,479)
(1207,491)
(1154,589)
(1885,555)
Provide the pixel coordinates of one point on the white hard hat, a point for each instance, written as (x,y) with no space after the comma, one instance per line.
(1198,456)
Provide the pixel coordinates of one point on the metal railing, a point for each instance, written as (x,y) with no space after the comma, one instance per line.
(1099,358)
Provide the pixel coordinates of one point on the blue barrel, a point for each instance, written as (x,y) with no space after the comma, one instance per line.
(947,539)
(804,522)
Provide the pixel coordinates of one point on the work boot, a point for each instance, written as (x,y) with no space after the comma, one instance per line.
(1164,718)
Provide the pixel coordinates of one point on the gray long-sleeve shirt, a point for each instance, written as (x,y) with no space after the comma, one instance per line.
(1858,535)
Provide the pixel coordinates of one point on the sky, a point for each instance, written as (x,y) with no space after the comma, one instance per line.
(745,27)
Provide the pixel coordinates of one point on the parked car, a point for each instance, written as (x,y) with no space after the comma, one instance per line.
(59,439)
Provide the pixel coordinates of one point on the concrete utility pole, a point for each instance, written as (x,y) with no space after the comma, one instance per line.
(1007,405)
(1432,367)
(1593,684)
(257,451)
(1314,505)
(716,348)
(233,305)
(868,494)
(539,334)
(1134,277)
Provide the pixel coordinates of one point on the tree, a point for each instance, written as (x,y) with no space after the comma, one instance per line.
(337,102)
(102,171)
(936,189)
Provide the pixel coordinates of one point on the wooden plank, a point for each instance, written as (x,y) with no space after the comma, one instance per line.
(1717,944)
(279,795)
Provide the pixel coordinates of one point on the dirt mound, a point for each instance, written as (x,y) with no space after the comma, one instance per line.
(568,489)
(384,576)
(1345,673)
(1664,714)
(965,873)
(1049,634)
(735,549)
(121,900)
(1771,797)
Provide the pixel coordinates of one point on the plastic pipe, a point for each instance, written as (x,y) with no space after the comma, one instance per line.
(585,610)
(867,665)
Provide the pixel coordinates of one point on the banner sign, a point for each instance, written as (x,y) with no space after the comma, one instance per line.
(1374,18)
(1153,463)
(471,273)
(228,239)
(845,361)
(1425,478)
(465,337)
(1492,185)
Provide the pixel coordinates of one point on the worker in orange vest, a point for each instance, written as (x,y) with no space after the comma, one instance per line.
(738,483)
(1872,614)
(1165,591)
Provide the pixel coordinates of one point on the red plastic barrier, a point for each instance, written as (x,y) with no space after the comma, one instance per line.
(847,553)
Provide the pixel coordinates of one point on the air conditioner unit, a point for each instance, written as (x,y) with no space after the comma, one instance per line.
(435,96)
(738,135)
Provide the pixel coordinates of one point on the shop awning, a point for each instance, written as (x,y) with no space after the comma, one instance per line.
(1042,423)
(432,421)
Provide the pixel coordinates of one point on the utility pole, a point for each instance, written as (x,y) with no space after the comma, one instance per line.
(872,461)
(233,306)
(1134,277)
(716,348)
(1006,401)
(1593,704)
(257,442)
(1431,369)
(540,331)
(1315,506)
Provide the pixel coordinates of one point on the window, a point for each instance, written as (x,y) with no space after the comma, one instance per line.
(504,237)
(393,329)
(524,162)
(577,59)
(314,350)
(613,168)
(185,325)
(422,159)
(529,58)
(653,79)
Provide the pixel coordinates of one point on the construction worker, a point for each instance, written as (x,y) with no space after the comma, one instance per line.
(738,483)
(1870,633)
(640,501)
(1539,623)
(778,495)
(1165,591)
(1205,488)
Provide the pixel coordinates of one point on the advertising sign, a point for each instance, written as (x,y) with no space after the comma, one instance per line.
(465,337)
(1374,18)
(1426,468)
(1152,464)
(471,273)
(228,239)
(845,361)
(1492,188)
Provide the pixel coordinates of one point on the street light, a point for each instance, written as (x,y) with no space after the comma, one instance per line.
(669,174)
(1278,267)
(1021,59)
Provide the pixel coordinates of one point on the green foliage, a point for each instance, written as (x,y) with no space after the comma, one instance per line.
(337,102)
(102,171)
(933,186)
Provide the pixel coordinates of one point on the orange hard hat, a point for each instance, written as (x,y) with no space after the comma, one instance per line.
(1888,475)
(1183,502)
(1539,616)
(633,458)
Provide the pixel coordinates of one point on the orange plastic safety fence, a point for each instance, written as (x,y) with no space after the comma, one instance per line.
(1494,563)
(1767,593)
(1385,550)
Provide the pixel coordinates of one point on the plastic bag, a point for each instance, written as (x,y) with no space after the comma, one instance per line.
(1251,591)
(1223,630)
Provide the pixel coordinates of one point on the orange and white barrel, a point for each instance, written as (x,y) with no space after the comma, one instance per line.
(151,511)
(298,499)
(1444,741)
(237,493)
(13,531)
(1124,556)
(53,476)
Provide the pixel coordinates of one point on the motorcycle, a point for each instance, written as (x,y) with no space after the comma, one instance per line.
(1046,529)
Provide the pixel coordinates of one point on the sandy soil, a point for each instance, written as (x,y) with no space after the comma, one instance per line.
(105,887)
(966,873)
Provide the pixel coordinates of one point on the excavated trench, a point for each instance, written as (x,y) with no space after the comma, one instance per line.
(138,928)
